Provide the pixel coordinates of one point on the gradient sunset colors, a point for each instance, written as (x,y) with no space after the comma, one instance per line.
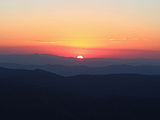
(91,28)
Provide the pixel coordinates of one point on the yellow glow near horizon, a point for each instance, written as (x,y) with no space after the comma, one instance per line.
(108,24)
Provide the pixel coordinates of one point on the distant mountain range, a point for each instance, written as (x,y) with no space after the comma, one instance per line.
(82,70)
(43,59)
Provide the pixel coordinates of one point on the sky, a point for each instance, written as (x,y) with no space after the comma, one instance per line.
(92,28)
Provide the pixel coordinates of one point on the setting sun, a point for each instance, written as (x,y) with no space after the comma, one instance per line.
(80,57)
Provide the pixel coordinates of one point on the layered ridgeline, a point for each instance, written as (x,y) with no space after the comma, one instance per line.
(37,94)
(69,70)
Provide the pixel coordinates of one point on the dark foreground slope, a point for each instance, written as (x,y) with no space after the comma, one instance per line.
(40,95)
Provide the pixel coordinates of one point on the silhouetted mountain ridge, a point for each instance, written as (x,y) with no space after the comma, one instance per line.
(117,84)
(37,94)
(24,73)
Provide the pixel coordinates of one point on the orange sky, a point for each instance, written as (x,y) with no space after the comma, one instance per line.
(89,28)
